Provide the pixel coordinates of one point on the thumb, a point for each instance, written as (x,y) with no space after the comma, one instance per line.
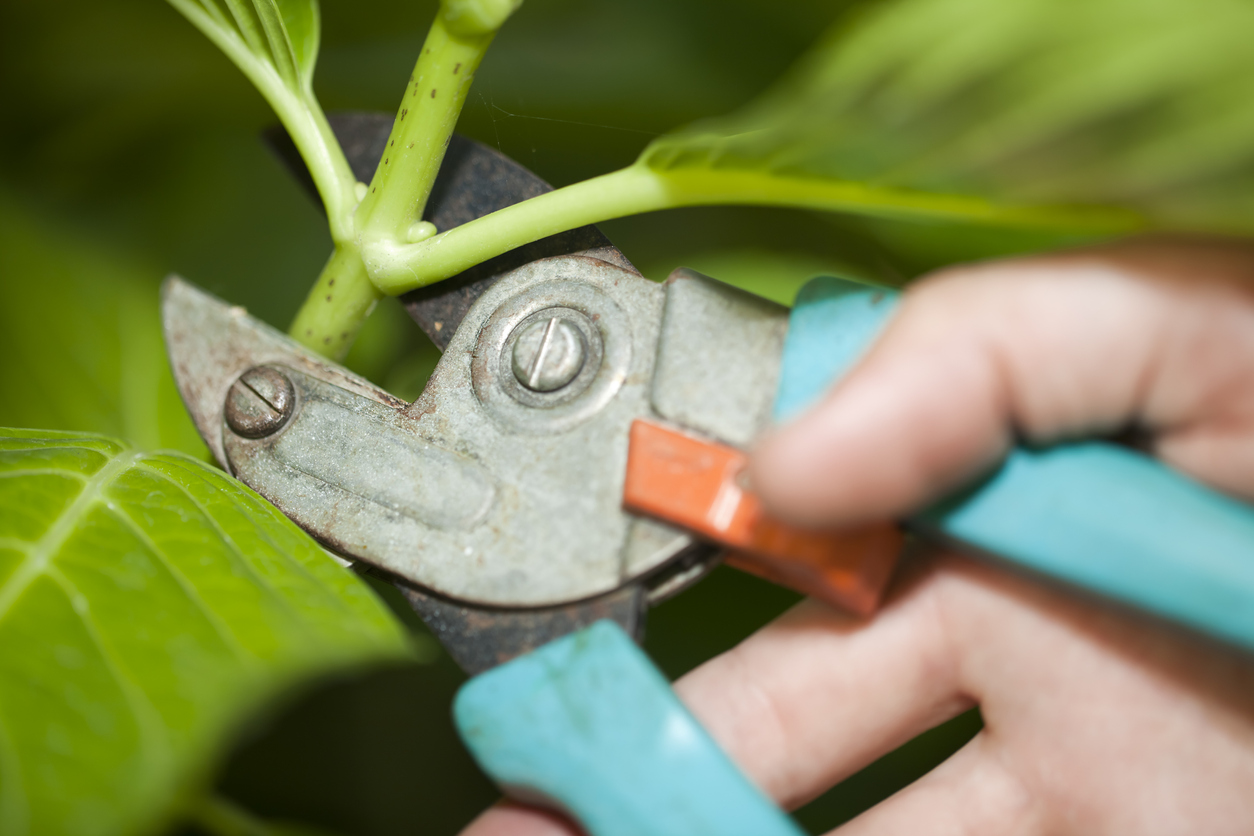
(1156,334)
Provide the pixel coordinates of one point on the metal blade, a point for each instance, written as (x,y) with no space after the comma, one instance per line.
(210,344)
(474,181)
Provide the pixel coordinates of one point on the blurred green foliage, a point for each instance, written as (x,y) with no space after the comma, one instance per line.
(129,149)
(1136,103)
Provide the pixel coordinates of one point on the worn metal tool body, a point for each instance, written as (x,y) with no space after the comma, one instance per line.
(496,500)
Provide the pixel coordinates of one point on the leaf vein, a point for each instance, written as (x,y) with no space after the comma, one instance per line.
(43,553)
(243,560)
(189,589)
(156,741)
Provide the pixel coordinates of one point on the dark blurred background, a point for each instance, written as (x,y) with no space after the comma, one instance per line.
(129,149)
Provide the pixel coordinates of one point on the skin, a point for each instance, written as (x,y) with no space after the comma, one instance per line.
(1097,720)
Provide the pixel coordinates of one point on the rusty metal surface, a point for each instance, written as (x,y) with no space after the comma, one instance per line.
(359,476)
(474,181)
(718,358)
(260,402)
(479,638)
(482,490)
(210,350)
(211,343)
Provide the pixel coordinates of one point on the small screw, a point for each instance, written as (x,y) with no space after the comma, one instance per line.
(259,403)
(548,354)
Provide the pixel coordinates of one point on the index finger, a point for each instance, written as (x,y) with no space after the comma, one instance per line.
(1158,334)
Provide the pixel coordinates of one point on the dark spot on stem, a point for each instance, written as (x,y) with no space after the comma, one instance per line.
(326,340)
(404,113)
(328,297)
(410,145)
(456,67)
(331,283)
(308,332)
(387,160)
(433,92)
(343,335)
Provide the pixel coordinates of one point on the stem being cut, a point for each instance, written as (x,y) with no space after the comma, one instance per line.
(392,207)
(338,304)
(398,268)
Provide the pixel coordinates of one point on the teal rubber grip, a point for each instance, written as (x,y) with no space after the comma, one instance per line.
(1094,514)
(587,725)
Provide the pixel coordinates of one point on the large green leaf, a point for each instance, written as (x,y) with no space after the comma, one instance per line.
(148,603)
(1143,104)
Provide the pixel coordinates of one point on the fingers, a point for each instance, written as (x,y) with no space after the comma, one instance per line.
(509,819)
(971,794)
(812,697)
(1157,334)
(815,696)
(1097,721)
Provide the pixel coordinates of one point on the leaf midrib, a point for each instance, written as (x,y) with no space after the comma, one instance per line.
(42,553)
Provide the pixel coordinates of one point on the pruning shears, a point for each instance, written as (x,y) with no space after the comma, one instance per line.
(576,456)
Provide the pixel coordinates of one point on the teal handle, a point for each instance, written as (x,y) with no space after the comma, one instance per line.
(1093,514)
(587,725)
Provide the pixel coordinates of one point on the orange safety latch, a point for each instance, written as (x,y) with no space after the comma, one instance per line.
(696,484)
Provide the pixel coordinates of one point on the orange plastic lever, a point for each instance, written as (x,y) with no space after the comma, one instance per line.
(696,484)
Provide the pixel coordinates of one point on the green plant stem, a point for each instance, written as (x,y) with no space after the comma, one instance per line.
(344,296)
(337,306)
(398,268)
(300,114)
(424,124)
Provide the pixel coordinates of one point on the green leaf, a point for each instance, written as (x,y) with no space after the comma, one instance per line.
(80,338)
(260,36)
(994,108)
(275,44)
(148,604)
(302,26)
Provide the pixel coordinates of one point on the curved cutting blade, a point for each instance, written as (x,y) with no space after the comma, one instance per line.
(211,343)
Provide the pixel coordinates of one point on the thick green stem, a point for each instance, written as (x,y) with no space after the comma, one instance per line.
(395,268)
(391,210)
(424,124)
(337,305)
(398,268)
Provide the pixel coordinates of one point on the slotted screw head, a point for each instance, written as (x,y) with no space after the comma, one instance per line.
(548,354)
(259,402)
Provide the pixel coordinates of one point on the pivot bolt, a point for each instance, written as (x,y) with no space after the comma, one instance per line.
(548,354)
(260,402)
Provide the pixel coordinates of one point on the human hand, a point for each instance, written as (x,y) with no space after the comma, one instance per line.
(1097,721)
